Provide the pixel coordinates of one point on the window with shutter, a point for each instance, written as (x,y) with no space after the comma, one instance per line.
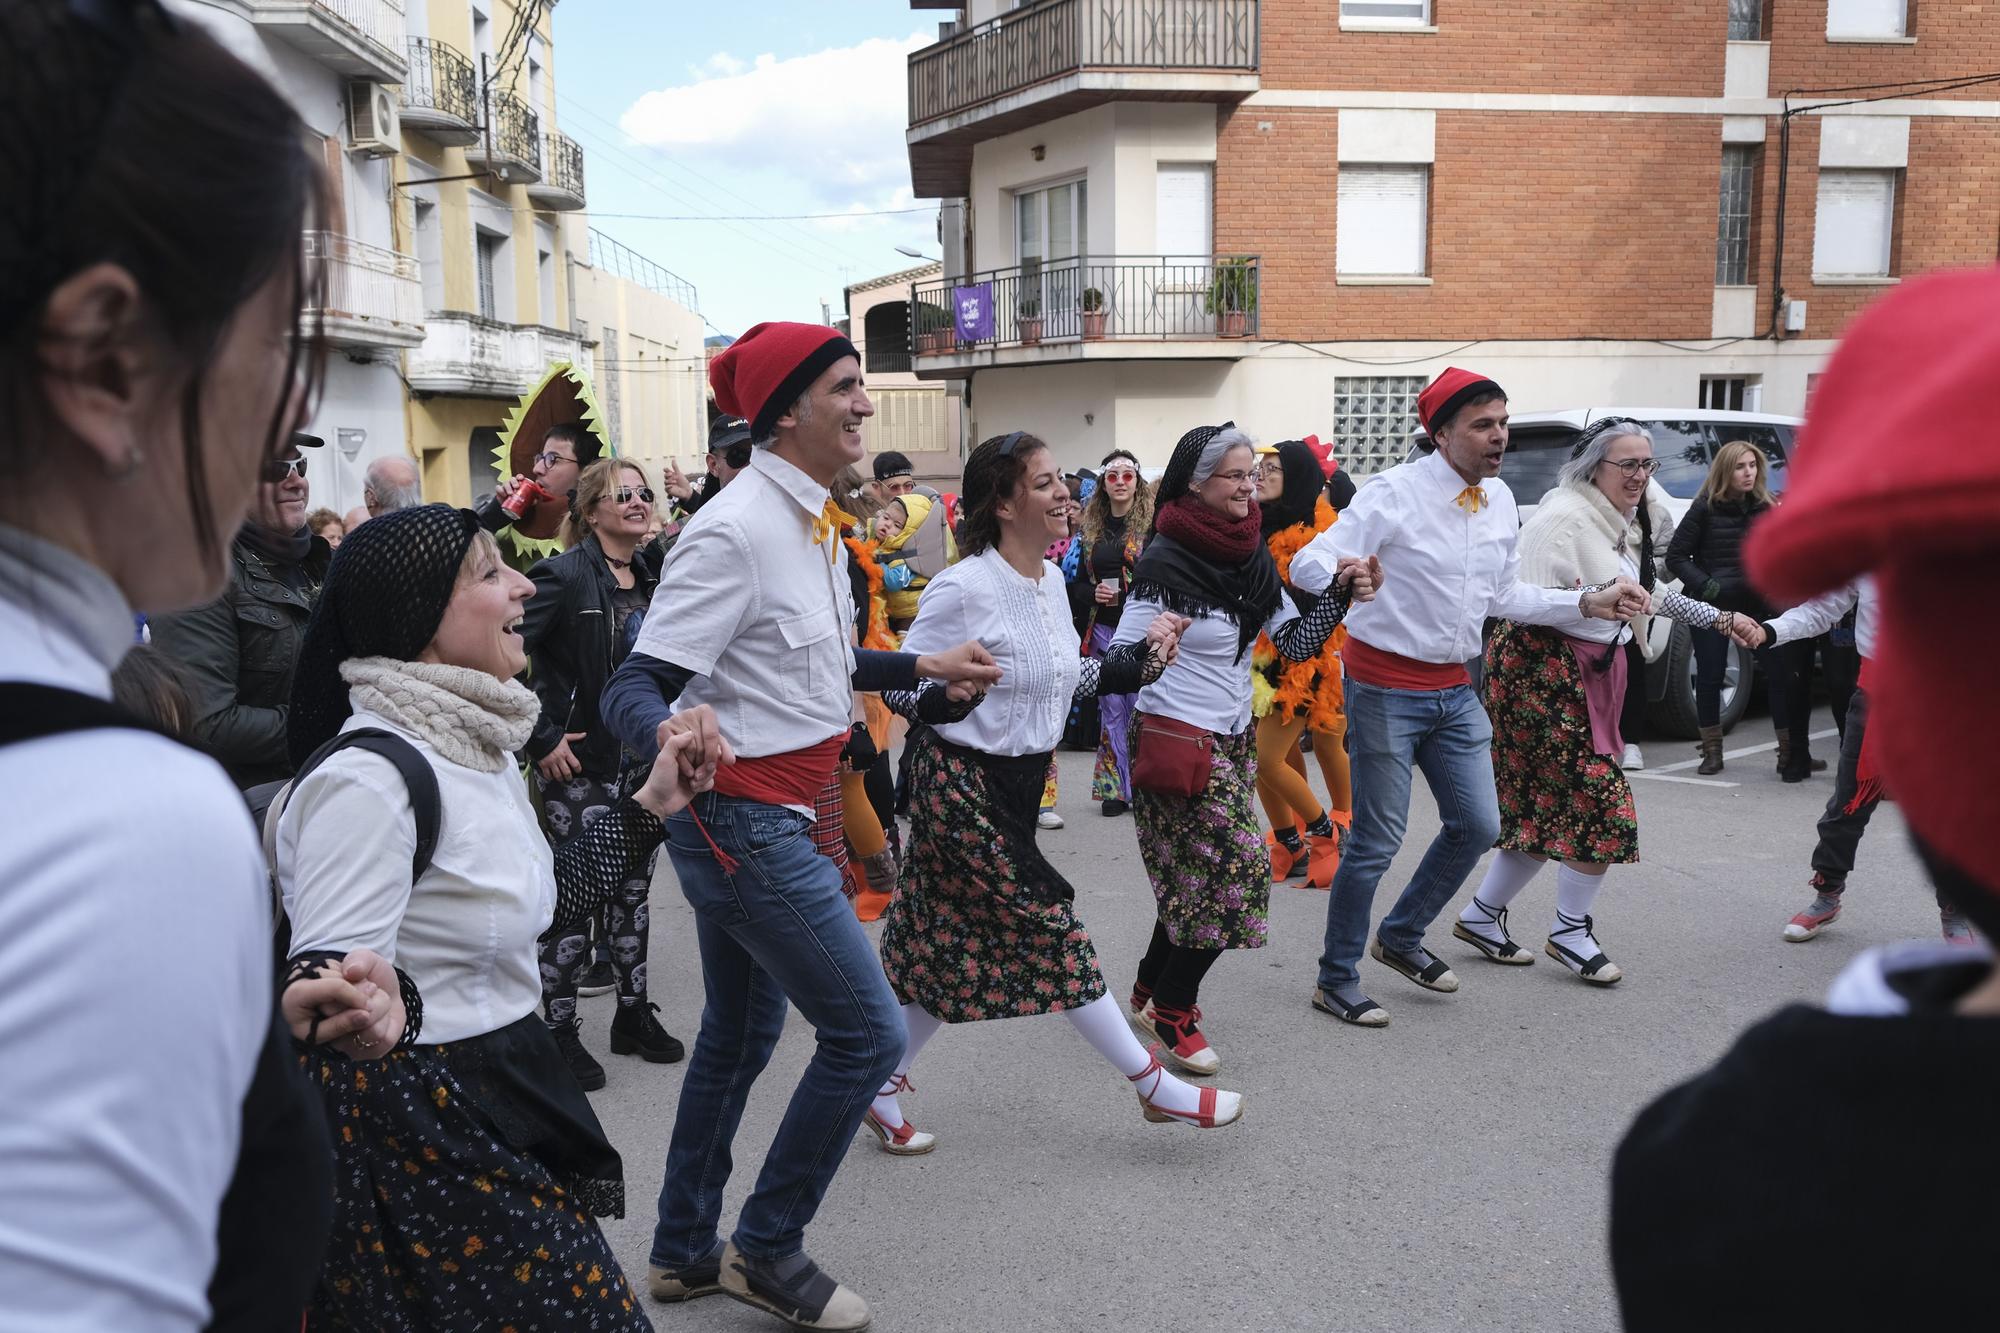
(485,246)
(1387,11)
(1853,224)
(1379,221)
(1867,18)
(1183,209)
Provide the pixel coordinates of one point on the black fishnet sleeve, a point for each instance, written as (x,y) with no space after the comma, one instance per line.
(1301,640)
(930,704)
(592,866)
(1122,670)
(305,966)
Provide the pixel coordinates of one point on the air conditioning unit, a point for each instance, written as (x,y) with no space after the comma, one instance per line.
(371,120)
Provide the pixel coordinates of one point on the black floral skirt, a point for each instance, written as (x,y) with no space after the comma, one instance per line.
(982,925)
(465,1179)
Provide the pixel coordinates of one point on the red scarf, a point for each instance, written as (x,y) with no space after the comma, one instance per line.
(1208,532)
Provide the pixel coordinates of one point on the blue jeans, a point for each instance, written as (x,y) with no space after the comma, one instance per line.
(1447,735)
(778,929)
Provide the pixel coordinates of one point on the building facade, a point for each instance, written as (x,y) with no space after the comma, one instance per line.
(916,417)
(1294,212)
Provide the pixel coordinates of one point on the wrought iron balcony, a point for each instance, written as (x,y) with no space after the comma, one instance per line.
(360,38)
(512,147)
(1087,308)
(440,93)
(561,185)
(373,297)
(1061,56)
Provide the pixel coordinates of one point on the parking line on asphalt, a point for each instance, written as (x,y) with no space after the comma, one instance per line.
(1651,776)
(1734,754)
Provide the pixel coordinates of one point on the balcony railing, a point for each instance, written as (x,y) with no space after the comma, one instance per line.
(561,185)
(624,262)
(374,297)
(363,38)
(1159,298)
(440,93)
(1057,37)
(483,358)
(514,138)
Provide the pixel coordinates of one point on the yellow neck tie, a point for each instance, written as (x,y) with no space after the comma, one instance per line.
(832,521)
(1472,499)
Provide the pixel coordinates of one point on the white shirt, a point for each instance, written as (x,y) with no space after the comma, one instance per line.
(135,944)
(1809,620)
(761,615)
(466,932)
(1445,569)
(1025,623)
(1208,685)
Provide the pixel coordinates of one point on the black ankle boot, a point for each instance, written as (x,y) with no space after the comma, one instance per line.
(634,1031)
(569,1040)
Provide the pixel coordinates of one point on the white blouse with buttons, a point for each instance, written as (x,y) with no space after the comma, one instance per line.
(1025,623)
(1208,686)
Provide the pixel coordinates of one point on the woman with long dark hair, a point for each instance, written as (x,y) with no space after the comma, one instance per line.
(1198,830)
(1554,694)
(1706,555)
(1292,697)
(983,927)
(165,1168)
(583,618)
(1112,533)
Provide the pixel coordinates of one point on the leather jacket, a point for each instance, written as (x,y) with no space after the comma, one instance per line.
(570,631)
(240,651)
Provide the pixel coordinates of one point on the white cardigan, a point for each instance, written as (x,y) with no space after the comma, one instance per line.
(1576,538)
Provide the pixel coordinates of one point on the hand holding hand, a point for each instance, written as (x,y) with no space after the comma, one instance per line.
(358,1005)
(1362,575)
(1620,599)
(698,759)
(561,763)
(1164,636)
(968,664)
(1746,632)
(668,788)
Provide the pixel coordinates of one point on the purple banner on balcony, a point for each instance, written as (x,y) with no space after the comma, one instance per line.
(972,312)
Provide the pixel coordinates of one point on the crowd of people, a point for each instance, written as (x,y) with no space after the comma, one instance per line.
(354,1094)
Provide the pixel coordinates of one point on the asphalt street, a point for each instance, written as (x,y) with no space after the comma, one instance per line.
(1449,1171)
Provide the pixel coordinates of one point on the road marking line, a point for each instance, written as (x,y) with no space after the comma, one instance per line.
(1738,754)
(1650,776)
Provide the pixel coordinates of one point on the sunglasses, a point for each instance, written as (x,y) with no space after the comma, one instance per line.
(624,494)
(1120,474)
(279,469)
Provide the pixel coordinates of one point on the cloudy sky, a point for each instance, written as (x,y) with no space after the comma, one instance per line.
(722,109)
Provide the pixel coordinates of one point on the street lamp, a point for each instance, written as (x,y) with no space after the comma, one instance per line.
(914,253)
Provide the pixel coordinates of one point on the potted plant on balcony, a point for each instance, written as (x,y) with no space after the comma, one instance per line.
(1232,296)
(1094,314)
(1028,320)
(935,332)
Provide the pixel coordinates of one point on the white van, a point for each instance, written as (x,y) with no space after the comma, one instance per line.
(1685,441)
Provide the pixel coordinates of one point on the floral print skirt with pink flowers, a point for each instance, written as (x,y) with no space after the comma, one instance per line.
(1559,797)
(982,925)
(1205,854)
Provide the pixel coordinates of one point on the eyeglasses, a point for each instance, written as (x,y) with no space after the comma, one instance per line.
(1235,478)
(278,469)
(1634,467)
(624,494)
(550,458)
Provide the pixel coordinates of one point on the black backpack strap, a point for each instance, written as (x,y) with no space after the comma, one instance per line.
(29,712)
(418,776)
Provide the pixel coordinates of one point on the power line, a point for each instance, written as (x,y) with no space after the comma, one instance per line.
(761,217)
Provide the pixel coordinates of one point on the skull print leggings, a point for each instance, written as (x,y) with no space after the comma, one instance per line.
(567,808)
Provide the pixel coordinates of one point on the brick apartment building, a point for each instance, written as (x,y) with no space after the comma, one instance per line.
(1294,212)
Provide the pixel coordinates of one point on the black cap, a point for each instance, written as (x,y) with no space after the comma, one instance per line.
(892,464)
(301,440)
(725,431)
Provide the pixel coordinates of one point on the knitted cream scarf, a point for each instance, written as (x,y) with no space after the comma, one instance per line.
(468,716)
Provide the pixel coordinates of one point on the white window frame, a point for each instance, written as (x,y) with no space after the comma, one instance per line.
(1862,20)
(1844,178)
(1058,281)
(1349,229)
(1733,226)
(1383,14)
(1716,392)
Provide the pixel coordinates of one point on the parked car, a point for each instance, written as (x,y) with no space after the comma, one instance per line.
(1685,441)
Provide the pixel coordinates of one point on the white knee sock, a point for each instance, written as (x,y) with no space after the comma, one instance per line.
(922,1026)
(1104,1027)
(1505,878)
(1575,892)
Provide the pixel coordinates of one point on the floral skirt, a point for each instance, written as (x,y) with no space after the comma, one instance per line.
(982,925)
(1559,797)
(465,1176)
(1205,854)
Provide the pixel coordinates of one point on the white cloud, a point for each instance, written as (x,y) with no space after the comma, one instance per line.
(832,121)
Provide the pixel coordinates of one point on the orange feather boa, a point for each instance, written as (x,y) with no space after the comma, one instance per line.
(879,635)
(1314,686)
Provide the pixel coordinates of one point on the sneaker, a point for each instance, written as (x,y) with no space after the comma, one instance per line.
(597,979)
(634,1031)
(793,1289)
(569,1040)
(1634,759)
(1823,912)
(1112,807)
(691,1282)
(1957,930)
(1048,819)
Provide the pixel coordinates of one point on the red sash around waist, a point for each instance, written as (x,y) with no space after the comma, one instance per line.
(794,778)
(1393,671)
